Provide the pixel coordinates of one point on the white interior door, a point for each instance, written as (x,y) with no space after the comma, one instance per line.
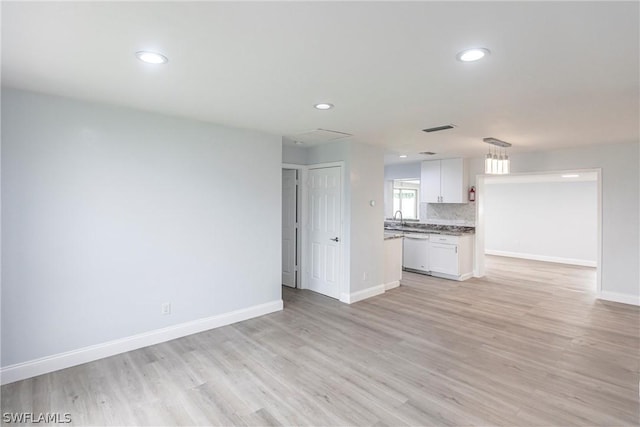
(289,227)
(325,230)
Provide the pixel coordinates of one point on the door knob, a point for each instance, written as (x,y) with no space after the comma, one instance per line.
(335,239)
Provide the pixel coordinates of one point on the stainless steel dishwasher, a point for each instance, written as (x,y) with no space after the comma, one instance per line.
(416,252)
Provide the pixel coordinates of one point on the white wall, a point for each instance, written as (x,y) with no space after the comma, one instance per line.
(367,222)
(296,155)
(402,171)
(620,164)
(549,221)
(109,212)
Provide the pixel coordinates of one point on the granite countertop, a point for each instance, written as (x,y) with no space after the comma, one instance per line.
(450,230)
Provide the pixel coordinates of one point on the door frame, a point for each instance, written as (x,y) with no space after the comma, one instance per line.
(303,244)
(299,206)
(479,255)
(297,228)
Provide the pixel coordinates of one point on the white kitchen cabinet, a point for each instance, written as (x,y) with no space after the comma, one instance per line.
(444,258)
(430,181)
(444,181)
(451,257)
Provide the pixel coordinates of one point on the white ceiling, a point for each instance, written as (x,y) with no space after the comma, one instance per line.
(560,73)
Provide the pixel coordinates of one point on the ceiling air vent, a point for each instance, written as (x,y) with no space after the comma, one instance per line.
(438,128)
(428,153)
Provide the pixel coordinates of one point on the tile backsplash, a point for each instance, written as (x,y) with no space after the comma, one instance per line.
(448,213)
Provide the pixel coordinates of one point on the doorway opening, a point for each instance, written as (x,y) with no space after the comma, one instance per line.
(290,228)
(548,216)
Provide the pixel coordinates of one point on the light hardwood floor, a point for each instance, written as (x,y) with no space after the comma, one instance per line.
(527,345)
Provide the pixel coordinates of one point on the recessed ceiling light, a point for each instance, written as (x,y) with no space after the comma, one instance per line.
(323,106)
(403,156)
(151,57)
(474,54)
(570,175)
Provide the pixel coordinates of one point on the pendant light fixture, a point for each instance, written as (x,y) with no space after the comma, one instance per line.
(487,162)
(495,164)
(506,164)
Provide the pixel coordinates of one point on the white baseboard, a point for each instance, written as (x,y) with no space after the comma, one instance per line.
(535,257)
(616,297)
(465,276)
(391,285)
(32,368)
(363,294)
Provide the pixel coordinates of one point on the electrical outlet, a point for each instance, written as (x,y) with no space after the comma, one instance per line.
(166,308)
(364,276)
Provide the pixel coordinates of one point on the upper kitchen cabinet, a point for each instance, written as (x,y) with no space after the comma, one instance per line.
(443,181)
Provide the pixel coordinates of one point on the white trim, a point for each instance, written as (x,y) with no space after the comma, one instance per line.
(535,257)
(363,294)
(302,221)
(478,253)
(296,231)
(391,285)
(599,230)
(300,206)
(460,278)
(303,227)
(326,165)
(622,298)
(293,166)
(465,276)
(43,365)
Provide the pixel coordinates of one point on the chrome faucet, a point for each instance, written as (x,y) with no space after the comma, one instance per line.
(395,219)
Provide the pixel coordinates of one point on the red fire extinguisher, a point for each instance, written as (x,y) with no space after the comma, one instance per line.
(472,194)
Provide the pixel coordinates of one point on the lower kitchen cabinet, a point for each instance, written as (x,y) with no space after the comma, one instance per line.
(451,257)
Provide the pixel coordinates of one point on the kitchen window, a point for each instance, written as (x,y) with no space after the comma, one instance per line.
(405,200)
